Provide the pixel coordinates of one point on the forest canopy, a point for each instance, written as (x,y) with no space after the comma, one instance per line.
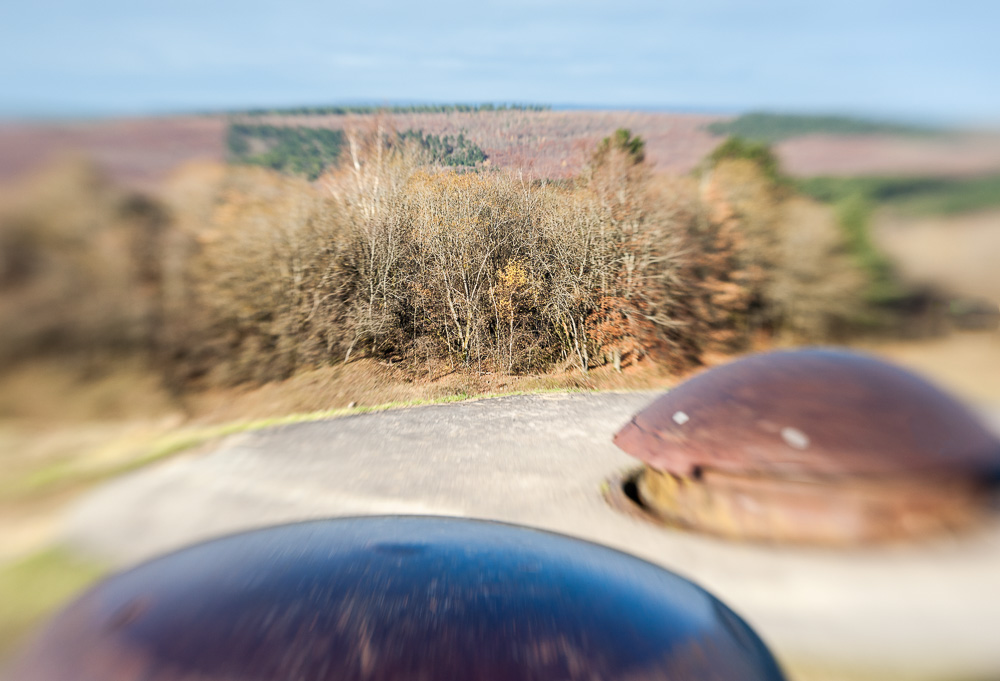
(288,149)
(308,152)
(446,150)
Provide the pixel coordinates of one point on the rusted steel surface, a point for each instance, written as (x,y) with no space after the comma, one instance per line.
(843,511)
(810,413)
(397,598)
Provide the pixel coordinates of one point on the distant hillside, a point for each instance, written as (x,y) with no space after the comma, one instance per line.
(927,195)
(416,108)
(770,127)
(141,153)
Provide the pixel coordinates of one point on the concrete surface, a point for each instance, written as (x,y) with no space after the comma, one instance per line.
(927,611)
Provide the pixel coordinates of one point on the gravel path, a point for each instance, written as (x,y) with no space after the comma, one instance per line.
(919,612)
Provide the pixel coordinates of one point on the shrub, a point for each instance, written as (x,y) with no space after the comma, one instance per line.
(258,292)
(773,263)
(252,275)
(79,266)
(739,149)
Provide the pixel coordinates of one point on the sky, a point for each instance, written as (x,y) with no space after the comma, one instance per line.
(900,59)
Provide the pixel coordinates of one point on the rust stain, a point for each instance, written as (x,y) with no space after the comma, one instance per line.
(817,445)
(815,412)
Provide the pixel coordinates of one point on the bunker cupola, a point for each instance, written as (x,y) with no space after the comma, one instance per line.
(814,445)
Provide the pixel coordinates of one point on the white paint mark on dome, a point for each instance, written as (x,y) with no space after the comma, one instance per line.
(794,437)
(680,418)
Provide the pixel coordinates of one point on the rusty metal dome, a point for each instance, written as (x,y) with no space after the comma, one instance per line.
(811,412)
(815,445)
(396,598)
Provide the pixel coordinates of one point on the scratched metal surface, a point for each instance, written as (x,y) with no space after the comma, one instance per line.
(385,598)
(813,412)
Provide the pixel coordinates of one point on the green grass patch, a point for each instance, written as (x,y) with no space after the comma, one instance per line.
(34,587)
(772,127)
(911,195)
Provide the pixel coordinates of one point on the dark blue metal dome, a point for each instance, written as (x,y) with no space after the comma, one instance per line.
(397,598)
